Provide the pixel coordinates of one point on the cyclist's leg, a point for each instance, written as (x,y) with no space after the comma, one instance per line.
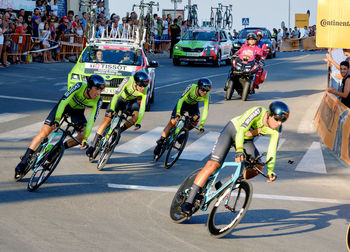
(134,108)
(194,113)
(78,118)
(218,155)
(171,124)
(44,132)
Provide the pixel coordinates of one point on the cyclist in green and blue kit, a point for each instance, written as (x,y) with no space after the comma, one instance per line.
(126,97)
(73,103)
(240,133)
(188,103)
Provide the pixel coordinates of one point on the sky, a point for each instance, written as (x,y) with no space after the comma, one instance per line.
(265,13)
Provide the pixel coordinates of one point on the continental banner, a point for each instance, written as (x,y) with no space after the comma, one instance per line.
(333,125)
(333,24)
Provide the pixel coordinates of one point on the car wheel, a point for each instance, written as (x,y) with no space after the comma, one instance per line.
(176,62)
(217,62)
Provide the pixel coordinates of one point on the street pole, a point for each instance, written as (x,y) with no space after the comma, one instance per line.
(175,3)
(288,14)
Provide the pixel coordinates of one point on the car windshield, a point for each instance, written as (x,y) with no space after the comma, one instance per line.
(123,56)
(200,35)
(243,34)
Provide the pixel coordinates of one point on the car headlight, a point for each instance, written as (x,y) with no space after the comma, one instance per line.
(177,47)
(237,45)
(211,48)
(83,77)
(75,77)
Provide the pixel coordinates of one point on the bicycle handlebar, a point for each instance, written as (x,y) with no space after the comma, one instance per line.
(254,162)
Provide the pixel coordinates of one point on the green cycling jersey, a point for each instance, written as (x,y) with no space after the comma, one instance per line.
(76,100)
(253,119)
(127,91)
(191,97)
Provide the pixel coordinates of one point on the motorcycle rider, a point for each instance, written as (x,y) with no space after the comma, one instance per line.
(250,49)
(259,43)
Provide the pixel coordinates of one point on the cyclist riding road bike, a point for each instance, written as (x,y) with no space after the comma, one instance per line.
(126,97)
(240,133)
(188,103)
(73,103)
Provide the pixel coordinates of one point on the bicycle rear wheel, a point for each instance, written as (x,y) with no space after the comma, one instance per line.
(225,217)
(176,213)
(44,169)
(108,149)
(176,148)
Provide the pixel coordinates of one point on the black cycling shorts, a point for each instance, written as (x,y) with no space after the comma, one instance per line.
(226,140)
(77,115)
(122,105)
(191,109)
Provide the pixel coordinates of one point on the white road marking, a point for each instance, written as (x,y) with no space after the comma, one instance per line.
(201,148)
(255,195)
(313,160)
(6,117)
(26,99)
(306,125)
(60,84)
(141,143)
(21,133)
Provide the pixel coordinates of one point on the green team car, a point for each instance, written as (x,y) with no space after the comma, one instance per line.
(203,45)
(114,60)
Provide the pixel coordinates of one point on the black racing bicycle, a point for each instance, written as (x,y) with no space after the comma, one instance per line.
(110,139)
(46,158)
(232,195)
(176,141)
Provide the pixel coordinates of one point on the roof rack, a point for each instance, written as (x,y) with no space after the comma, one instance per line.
(126,35)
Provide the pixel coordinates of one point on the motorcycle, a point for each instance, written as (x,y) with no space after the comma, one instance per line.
(246,74)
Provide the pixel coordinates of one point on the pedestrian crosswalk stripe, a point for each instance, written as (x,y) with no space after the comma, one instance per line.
(22,133)
(313,160)
(141,143)
(201,148)
(6,117)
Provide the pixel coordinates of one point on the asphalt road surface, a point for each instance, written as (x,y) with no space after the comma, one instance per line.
(125,207)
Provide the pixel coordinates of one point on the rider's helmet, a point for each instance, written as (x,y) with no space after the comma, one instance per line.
(259,33)
(251,36)
(96,80)
(279,110)
(204,84)
(141,78)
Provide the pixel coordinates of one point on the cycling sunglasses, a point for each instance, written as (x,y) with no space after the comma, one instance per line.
(204,89)
(101,87)
(281,118)
(142,84)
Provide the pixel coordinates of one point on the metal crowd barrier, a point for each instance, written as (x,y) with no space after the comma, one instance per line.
(20,44)
(70,45)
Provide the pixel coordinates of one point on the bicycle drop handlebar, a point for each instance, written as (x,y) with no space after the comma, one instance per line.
(256,161)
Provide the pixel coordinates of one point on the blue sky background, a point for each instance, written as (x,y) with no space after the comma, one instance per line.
(266,13)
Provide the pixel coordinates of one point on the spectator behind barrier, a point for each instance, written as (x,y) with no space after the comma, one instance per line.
(344,90)
(334,57)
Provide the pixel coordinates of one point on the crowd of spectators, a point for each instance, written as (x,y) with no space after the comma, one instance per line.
(43,24)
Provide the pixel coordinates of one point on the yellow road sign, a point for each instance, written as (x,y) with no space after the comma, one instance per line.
(301,20)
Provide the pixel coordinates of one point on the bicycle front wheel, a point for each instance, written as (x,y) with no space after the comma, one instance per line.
(175,149)
(44,169)
(229,209)
(108,149)
(176,213)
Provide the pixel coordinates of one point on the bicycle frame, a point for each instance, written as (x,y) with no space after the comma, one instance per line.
(210,194)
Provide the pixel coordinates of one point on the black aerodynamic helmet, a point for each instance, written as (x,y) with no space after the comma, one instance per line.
(279,110)
(204,84)
(141,78)
(96,80)
(252,36)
